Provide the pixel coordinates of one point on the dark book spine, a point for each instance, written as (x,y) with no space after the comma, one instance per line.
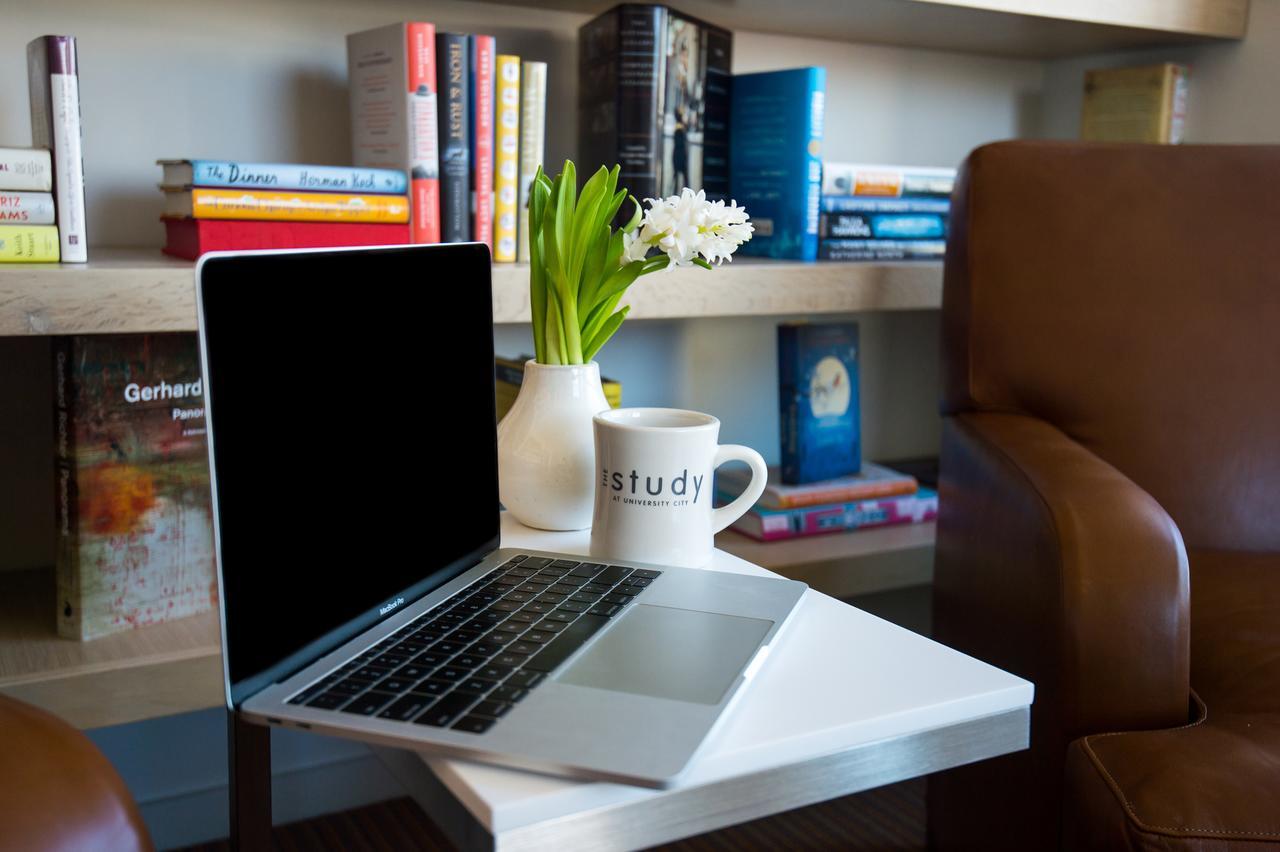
(715,119)
(453,94)
(622,66)
(66,489)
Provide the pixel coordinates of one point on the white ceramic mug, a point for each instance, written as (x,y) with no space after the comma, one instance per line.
(654,469)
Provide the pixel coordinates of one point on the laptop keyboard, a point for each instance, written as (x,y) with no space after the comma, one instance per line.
(465,663)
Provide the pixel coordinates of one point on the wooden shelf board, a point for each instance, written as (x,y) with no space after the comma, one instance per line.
(137,674)
(1031,29)
(135,290)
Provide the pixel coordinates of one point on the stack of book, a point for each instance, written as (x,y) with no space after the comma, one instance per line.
(42,207)
(509,375)
(27,230)
(215,205)
(466,123)
(872,212)
(875,497)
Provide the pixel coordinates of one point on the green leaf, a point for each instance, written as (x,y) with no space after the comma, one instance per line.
(598,315)
(610,326)
(634,221)
(655,263)
(698,261)
(565,196)
(539,196)
(584,230)
(593,274)
(555,339)
(617,283)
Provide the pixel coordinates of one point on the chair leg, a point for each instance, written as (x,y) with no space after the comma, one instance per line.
(249,773)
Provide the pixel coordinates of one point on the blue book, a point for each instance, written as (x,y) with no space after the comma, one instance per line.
(818,401)
(775,161)
(873,249)
(286,176)
(862,204)
(883,226)
(453,99)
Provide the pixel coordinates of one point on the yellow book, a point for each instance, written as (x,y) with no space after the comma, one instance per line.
(28,243)
(506,173)
(206,203)
(1146,104)
(509,374)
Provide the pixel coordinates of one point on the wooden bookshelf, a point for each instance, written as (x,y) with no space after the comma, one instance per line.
(170,668)
(135,290)
(845,564)
(1031,29)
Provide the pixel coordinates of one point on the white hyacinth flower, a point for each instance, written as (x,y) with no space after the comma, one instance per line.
(687,226)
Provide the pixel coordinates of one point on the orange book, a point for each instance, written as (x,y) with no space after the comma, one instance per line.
(207,203)
(873,481)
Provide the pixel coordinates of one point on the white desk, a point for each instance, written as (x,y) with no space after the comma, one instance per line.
(846,702)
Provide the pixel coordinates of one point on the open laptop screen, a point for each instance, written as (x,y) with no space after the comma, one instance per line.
(351,417)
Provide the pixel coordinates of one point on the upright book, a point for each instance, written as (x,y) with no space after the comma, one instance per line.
(132,500)
(818,401)
(453,76)
(506,179)
(1144,104)
(29,169)
(179,174)
(533,118)
(776,134)
(53,76)
(392,76)
(483,67)
(654,98)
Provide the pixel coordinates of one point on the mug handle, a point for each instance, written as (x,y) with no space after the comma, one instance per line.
(725,515)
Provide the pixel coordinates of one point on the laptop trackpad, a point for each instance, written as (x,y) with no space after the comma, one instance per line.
(665,652)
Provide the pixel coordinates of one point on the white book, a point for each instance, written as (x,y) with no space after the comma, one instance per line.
(533,140)
(29,169)
(54,84)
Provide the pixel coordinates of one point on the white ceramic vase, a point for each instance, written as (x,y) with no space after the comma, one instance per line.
(546,446)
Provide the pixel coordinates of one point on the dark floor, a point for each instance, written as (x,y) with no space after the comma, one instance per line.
(890,819)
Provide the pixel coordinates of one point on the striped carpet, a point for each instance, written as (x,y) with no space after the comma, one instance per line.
(890,819)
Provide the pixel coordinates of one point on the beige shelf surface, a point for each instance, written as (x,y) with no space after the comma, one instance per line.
(138,674)
(1016,28)
(134,290)
(845,564)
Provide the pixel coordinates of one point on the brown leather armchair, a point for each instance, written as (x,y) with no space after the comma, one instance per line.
(57,791)
(1110,492)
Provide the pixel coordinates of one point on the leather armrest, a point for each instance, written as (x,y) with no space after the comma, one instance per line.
(57,791)
(1054,565)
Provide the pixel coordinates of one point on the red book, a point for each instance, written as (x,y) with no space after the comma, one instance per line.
(483,59)
(190,238)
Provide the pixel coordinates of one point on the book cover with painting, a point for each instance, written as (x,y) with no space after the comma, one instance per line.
(133,505)
(818,400)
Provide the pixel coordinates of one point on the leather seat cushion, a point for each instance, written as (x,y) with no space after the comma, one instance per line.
(1214,784)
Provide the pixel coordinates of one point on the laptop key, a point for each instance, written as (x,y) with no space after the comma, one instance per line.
(561,616)
(536,562)
(608,610)
(464,635)
(449,647)
(476,686)
(595,589)
(391,661)
(519,557)
(451,673)
(646,573)
(541,637)
(485,649)
(611,575)
(571,606)
(616,599)
(501,637)
(468,661)
(587,569)
(625,591)
(404,709)
(369,703)
(548,626)
(539,607)
(523,647)
(510,694)
(638,582)
(433,687)
(349,687)
(562,647)
(394,685)
(412,672)
(492,709)
(329,700)
(525,679)
(445,710)
(584,597)
(505,605)
(371,673)
(492,672)
(474,724)
(550,597)
(523,617)
(510,660)
(308,693)
(563,589)
(565,563)
(430,658)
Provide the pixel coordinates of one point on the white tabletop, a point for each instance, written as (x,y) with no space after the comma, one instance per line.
(837,679)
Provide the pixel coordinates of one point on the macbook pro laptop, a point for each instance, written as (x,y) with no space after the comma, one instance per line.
(363,591)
